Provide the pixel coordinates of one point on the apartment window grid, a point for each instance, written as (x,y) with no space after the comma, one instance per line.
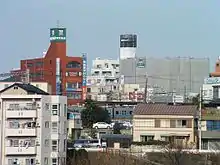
(56,109)
(46,161)
(54,145)
(144,123)
(165,123)
(55,127)
(145,138)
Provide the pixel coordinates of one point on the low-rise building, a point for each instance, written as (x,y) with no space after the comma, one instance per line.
(33,126)
(173,123)
(45,86)
(210,127)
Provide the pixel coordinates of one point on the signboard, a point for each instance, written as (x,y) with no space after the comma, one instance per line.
(212,80)
(58,34)
(73,74)
(84,74)
(58,77)
(141,63)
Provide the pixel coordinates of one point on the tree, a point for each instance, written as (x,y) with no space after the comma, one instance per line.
(117,128)
(196,101)
(93,113)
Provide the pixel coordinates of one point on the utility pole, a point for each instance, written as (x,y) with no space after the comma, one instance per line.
(200,119)
(145,89)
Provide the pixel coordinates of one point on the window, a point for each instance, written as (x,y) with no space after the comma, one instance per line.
(46,161)
(73,64)
(181,123)
(46,143)
(15,87)
(39,64)
(88,90)
(64,145)
(14,124)
(149,123)
(30,64)
(55,110)
(165,138)
(14,143)
(74,95)
(54,161)
(116,112)
(46,124)
(54,145)
(165,123)
(47,106)
(213,125)
(145,138)
(123,112)
(55,106)
(65,110)
(54,127)
(65,126)
(30,161)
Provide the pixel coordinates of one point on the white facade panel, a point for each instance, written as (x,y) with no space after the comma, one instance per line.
(127,52)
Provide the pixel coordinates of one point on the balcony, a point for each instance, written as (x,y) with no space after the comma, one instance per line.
(21,132)
(20,150)
(21,114)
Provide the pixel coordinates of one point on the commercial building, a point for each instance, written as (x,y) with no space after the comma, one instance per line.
(33,126)
(210,127)
(179,75)
(172,123)
(128,46)
(67,75)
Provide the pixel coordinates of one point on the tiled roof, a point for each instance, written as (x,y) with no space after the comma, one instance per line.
(27,87)
(164,109)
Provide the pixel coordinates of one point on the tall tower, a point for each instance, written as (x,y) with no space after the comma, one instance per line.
(128,46)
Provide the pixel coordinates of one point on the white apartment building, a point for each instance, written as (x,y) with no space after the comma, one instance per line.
(33,126)
(105,68)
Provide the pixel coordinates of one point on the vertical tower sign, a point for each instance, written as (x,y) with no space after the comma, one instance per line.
(58,79)
(84,61)
(58,35)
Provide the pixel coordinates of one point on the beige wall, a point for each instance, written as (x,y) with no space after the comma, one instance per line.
(13,91)
(142,125)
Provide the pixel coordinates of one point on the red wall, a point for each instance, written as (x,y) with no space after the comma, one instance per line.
(56,50)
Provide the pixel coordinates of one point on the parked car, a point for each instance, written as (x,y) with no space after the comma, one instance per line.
(127,124)
(102,125)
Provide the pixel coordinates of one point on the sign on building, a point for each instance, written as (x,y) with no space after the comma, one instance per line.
(141,62)
(84,61)
(212,80)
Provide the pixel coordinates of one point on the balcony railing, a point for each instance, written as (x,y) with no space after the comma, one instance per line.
(20,150)
(21,114)
(21,132)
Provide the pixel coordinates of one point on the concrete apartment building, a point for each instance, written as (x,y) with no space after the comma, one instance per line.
(33,126)
(74,125)
(173,123)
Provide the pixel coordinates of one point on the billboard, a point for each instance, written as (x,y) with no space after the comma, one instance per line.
(141,62)
(84,61)
(212,80)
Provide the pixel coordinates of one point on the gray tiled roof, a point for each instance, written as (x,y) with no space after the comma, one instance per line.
(27,87)
(164,109)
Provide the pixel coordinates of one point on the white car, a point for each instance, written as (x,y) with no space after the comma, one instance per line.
(127,124)
(102,125)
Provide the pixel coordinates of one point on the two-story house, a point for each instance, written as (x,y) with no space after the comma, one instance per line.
(173,123)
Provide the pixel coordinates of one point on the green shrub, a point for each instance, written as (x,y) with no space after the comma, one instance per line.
(151,142)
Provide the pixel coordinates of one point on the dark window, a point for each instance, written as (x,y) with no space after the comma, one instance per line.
(116,112)
(217,65)
(130,112)
(50,61)
(73,64)
(39,64)
(30,64)
(88,90)
(74,95)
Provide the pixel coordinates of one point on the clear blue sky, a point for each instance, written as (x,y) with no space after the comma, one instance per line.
(164,27)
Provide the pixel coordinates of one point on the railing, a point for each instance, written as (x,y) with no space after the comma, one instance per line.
(22,108)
